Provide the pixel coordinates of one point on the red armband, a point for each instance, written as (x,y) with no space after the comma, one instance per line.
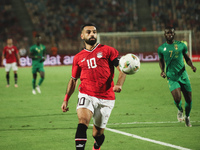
(66,97)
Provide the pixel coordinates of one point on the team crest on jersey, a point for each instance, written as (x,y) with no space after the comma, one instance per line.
(176,46)
(37,49)
(99,55)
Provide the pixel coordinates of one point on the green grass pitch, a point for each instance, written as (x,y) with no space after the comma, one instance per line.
(144,107)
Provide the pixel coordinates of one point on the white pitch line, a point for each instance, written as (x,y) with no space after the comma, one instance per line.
(146,139)
(161,122)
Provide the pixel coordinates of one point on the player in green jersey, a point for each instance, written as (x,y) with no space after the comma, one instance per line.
(38,54)
(171,54)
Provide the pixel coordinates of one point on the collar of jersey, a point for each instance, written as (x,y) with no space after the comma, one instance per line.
(92,49)
(172,43)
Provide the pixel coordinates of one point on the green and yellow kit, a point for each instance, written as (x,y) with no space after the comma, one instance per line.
(175,67)
(38,52)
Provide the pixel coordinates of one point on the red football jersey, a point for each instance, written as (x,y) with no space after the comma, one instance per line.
(10,54)
(96,71)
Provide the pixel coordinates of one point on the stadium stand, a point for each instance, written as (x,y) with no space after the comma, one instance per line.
(9,24)
(182,14)
(59,21)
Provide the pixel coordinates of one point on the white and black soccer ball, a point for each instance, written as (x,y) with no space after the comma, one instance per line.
(129,64)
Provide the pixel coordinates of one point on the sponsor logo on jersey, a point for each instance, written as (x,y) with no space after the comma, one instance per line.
(83,60)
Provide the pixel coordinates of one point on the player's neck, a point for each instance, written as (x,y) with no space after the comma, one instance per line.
(170,42)
(10,45)
(90,47)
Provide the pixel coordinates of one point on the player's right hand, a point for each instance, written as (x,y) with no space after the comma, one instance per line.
(64,106)
(194,68)
(163,74)
(117,88)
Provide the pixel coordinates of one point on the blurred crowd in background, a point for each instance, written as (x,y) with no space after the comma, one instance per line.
(59,21)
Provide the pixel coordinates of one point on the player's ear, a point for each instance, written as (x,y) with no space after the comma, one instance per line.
(82,37)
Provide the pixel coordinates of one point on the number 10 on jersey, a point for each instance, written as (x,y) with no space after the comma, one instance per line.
(91,63)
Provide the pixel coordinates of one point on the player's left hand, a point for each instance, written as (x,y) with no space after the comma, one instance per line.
(194,68)
(117,88)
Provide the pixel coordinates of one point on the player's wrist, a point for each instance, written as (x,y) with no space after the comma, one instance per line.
(66,97)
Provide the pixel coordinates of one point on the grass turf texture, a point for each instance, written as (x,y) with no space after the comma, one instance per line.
(36,122)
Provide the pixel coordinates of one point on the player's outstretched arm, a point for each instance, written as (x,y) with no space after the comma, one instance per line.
(70,90)
(44,56)
(189,62)
(162,67)
(121,78)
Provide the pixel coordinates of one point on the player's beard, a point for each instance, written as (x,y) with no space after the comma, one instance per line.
(170,38)
(90,42)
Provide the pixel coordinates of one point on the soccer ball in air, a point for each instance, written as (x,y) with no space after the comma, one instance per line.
(129,64)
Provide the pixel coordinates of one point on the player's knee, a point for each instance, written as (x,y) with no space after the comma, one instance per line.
(85,121)
(95,134)
(97,131)
(42,74)
(177,98)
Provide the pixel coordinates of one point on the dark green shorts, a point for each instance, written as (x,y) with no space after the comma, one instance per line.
(37,69)
(37,66)
(182,82)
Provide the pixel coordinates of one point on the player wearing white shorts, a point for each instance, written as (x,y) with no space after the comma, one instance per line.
(101,108)
(10,66)
(11,54)
(94,65)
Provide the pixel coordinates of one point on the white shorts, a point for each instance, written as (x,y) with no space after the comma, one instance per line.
(100,108)
(8,66)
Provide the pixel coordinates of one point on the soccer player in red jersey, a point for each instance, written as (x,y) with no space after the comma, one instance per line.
(94,65)
(11,54)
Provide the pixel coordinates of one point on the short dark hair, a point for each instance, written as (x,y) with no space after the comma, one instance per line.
(169,27)
(37,35)
(87,24)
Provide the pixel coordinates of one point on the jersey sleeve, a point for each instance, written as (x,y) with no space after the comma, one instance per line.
(113,53)
(159,53)
(76,70)
(31,49)
(185,49)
